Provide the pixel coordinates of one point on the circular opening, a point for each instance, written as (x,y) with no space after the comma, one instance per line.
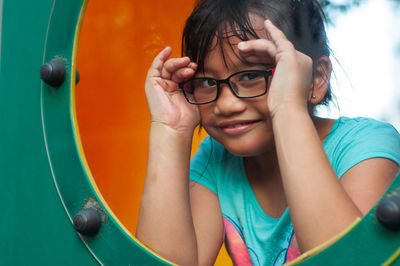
(117,44)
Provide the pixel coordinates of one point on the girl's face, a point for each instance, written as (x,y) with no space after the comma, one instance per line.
(243,126)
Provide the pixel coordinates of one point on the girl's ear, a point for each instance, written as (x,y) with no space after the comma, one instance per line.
(321,78)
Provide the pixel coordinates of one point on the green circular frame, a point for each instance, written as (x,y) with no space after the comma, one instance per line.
(45,175)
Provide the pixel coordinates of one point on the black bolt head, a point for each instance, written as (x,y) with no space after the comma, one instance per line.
(87,222)
(388,212)
(53,73)
(77,77)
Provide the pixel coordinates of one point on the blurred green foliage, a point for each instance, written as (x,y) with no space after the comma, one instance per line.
(334,7)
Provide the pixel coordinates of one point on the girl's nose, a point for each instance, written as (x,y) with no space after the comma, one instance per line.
(228,103)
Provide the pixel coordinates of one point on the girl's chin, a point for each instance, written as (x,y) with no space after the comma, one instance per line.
(255,142)
(248,149)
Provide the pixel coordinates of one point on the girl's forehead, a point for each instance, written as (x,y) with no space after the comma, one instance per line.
(223,46)
(257,21)
(229,31)
(225,58)
(229,37)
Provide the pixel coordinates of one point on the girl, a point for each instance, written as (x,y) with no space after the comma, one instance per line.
(272,180)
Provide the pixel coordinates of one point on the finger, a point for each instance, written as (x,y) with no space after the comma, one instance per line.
(260,50)
(193,66)
(260,47)
(182,74)
(256,59)
(158,62)
(172,65)
(277,36)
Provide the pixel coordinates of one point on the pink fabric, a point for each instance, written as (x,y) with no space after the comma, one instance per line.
(237,248)
(292,253)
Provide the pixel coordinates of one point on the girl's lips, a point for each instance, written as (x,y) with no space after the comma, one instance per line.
(237,127)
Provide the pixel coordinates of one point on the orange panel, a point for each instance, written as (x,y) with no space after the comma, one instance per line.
(118,42)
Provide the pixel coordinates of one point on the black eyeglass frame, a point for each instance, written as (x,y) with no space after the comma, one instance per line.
(266,73)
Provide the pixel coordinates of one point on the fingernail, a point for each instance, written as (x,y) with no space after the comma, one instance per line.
(268,22)
(193,65)
(242,45)
(189,71)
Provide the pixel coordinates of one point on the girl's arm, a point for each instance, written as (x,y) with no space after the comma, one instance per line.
(168,223)
(368,180)
(320,205)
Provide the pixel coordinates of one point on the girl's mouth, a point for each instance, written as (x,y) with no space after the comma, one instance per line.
(238,127)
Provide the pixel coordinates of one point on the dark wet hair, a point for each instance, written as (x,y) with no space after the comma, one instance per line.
(302,21)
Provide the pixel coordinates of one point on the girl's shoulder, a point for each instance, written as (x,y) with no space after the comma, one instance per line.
(362,126)
(353,140)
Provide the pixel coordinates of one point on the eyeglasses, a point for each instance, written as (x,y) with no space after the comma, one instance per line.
(243,84)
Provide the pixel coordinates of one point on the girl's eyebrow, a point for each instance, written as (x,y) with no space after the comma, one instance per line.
(243,65)
(205,72)
(248,64)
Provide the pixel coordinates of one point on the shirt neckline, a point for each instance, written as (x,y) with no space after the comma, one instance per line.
(249,190)
(253,199)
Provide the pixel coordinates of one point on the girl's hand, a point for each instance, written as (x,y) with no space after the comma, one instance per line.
(293,74)
(167,104)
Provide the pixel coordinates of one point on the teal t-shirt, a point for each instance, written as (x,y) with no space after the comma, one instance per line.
(249,232)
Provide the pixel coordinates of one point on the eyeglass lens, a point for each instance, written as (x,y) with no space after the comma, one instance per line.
(243,84)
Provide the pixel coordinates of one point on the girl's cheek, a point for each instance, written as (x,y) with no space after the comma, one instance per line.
(204,113)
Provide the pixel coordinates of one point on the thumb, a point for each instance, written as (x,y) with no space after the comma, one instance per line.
(158,62)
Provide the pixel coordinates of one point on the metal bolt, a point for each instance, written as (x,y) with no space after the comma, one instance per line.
(388,212)
(87,222)
(53,73)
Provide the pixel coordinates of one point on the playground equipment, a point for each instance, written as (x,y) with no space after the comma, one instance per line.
(55,209)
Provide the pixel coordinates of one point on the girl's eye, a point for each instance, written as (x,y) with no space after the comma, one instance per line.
(250,76)
(208,83)
(204,83)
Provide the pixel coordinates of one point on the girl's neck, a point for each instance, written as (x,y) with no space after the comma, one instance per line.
(323,126)
(266,166)
(264,176)
(265,180)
